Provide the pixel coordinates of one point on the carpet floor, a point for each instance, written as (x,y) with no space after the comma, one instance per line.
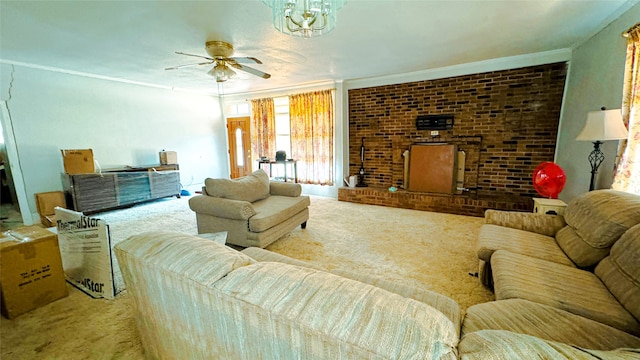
(418,248)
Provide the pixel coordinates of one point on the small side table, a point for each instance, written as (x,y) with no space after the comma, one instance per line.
(285,164)
(548,206)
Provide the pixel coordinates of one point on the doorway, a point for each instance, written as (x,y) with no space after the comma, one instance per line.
(238,132)
(14,211)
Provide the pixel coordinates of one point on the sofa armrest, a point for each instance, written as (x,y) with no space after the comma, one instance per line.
(542,224)
(285,189)
(220,207)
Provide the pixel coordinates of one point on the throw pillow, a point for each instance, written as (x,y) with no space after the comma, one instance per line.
(247,188)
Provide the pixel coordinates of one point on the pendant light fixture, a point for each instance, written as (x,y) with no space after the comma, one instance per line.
(304,18)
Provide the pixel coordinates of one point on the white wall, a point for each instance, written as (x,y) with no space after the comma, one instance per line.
(595,80)
(124,124)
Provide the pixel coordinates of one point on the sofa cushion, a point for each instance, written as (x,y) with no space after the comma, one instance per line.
(546,322)
(598,218)
(620,271)
(582,254)
(442,303)
(247,188)
(174,252)
(494,237)
(577,291)
(501,344)
(317,312)
(285,188)
(533,222)
(276,209)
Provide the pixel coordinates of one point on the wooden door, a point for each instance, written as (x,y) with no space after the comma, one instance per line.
(239,146)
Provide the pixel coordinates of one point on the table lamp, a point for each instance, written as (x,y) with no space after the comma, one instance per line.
(601,126)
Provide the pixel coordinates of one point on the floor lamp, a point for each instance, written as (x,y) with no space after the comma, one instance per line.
(601,126)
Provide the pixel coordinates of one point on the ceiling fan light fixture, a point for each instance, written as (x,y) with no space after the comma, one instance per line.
(304,18)
(221,72)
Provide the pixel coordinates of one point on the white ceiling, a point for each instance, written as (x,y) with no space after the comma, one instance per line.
(136,40)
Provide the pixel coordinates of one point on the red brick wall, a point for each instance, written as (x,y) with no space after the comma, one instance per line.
(506,121)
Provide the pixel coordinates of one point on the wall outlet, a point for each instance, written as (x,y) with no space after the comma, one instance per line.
(435,133)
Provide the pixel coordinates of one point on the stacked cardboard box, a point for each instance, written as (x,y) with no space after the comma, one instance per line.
(46,203)
(78,161)
(168,157)
(31,272)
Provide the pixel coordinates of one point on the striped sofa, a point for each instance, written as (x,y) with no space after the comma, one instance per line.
(197,299)
(573,278)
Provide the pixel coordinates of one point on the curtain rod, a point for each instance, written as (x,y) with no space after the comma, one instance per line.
(288,94)
(635,27)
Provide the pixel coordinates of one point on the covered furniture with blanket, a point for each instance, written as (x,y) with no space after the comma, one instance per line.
(251,209)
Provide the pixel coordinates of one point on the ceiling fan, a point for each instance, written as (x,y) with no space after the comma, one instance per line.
(220,54)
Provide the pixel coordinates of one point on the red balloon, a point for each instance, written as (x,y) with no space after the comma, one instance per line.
(549,179)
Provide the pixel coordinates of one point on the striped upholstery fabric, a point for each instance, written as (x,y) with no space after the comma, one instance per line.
(597,220)
(583,254)
(620,271)
(574,290)
(310,314)
(600,217)
(260,254)
(493,237)
(442,303)
(497,237)
(198,299)
(276,210)
(505,345)
(541,224)
(545,322)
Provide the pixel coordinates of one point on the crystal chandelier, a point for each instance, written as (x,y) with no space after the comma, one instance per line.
(304,18)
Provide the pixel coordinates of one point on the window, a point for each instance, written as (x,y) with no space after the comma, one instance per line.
(239,148)
(283,129)
(238,109)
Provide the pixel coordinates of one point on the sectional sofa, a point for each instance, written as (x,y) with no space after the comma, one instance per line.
(573,278)
(196,298)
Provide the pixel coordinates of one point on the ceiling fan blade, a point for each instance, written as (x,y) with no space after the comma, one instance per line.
(204,57)
(187,65)
(253,71)
(247,59)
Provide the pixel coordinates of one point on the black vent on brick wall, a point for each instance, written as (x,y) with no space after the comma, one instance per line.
(435,122)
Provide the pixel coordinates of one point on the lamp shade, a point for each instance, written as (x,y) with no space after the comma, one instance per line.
(603,125)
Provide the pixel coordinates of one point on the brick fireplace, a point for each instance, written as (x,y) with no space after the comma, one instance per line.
(505,122)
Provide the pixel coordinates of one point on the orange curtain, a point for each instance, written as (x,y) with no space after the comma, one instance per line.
(312,122)
(263,129)
(627,174)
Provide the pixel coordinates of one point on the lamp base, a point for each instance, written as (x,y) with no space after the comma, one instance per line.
(595,159)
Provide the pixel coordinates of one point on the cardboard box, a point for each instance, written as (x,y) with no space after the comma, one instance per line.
(168,157)
(46,202)
(78,161)
(30,270)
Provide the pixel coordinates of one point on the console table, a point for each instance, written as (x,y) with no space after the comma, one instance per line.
(285,164)
(114,188)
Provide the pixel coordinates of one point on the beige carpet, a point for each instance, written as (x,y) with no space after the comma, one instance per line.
(425,249)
